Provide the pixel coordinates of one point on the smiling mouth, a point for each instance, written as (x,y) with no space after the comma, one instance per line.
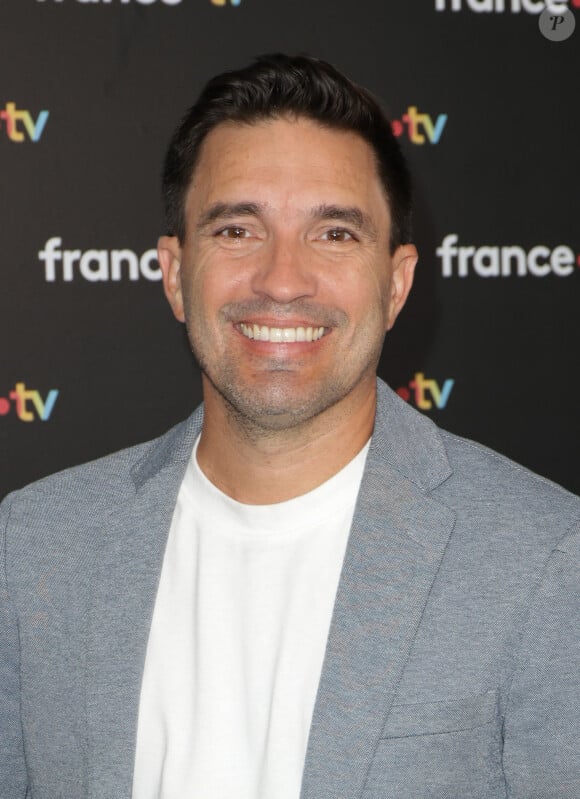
(281,335)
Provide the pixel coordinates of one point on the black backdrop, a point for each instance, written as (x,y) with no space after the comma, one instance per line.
(487,111)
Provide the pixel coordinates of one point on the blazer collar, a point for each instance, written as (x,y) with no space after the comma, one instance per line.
(408,442)
(173,448)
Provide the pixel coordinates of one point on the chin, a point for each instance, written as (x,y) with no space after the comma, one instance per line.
(278,410)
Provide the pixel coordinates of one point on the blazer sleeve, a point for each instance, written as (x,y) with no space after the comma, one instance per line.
(542,722)
(13,779)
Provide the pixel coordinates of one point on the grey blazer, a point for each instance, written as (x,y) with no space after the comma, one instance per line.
(451,667)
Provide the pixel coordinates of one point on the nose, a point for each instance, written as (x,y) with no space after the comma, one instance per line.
(284,273)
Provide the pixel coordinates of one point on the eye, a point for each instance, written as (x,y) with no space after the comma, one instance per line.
(338,235)
(233,232)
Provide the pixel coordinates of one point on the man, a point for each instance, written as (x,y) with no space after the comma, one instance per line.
(307,590)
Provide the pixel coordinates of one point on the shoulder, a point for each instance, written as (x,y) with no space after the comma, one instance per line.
(499,505)
(503,499)
(457,470)
(496,476)
(93,488)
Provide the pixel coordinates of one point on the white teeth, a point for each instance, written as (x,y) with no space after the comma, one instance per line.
(281,335)
(284,334)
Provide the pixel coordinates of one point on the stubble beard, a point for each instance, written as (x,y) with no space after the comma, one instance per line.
(271,410)
(275,412)
(270,407)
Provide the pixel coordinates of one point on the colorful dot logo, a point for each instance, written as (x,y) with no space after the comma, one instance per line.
(20,125)
(419,127)
(28,403)
(426,392)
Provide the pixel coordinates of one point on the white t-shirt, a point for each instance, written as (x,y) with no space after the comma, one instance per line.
(237,640)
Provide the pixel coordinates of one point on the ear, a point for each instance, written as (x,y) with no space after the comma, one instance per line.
(169,255)
(403,265)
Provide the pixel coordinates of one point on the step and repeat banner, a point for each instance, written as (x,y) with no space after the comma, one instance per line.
(483,95)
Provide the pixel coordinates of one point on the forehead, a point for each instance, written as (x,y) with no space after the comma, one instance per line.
(287,161)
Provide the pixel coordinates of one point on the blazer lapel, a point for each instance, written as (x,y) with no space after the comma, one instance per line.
(397,541)
(124,592)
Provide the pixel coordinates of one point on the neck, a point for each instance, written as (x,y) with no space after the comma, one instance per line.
(279,465)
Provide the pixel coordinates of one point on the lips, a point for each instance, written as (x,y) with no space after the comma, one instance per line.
(280,335)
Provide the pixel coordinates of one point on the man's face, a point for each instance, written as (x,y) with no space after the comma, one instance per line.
(285,280)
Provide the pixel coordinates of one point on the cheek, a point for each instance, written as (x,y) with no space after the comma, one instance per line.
(378,285)
(196,285)
(205,293)
(364,295)
(216,280)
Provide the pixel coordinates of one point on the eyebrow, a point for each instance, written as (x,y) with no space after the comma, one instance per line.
(350,215)
(227,211)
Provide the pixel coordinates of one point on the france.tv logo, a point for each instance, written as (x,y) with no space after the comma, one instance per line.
(19,124)
(226,2)
(506,6)
(426,392)
(28,403)
(419,127)
(121,2)
(505,261)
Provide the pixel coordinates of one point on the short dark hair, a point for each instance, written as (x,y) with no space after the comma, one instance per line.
(275,86)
